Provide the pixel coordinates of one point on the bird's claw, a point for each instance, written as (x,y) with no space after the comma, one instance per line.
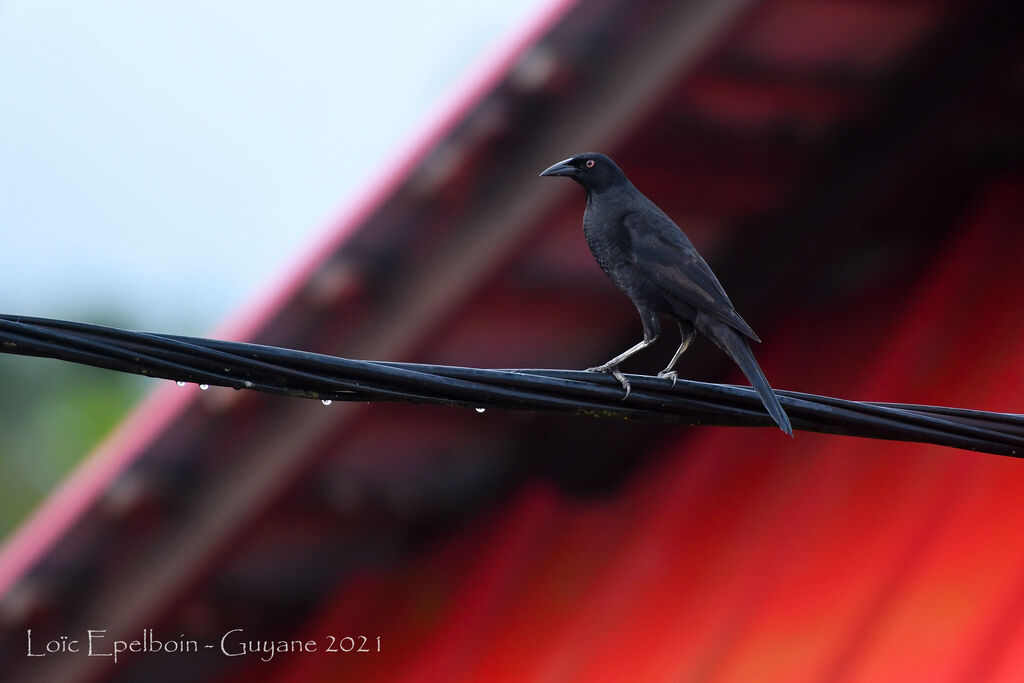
(669,374)
(617,374)
(614,371)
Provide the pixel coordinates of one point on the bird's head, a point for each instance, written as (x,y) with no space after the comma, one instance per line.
(591,170)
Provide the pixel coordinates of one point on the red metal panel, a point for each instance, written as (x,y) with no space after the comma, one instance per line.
(740,555)
(831,34)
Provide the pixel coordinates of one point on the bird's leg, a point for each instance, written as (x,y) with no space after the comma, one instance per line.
(614,362)
(687,338)
(651,330)
(612,366)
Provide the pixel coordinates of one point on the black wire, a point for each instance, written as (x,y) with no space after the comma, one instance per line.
(311,375)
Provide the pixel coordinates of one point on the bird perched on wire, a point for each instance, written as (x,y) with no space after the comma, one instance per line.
(654,263)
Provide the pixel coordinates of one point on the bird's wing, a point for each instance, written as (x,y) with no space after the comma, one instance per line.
(663,253)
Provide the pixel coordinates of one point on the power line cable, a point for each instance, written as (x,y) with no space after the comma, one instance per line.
(329,378)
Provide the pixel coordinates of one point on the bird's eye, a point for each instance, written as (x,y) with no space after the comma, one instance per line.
(590,163)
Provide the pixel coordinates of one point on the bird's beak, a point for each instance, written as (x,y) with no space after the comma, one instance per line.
(561,168)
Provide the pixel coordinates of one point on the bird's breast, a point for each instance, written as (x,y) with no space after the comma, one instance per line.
(608,239)
(602,244)
(605,231)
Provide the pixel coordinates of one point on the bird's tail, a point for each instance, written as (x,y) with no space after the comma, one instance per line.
(737,348)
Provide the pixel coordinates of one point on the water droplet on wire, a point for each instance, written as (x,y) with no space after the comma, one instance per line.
(180,383)
(327,401)
(480,410)
(204,387)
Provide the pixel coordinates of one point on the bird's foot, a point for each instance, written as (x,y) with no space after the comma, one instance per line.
(669,374)
(614,371)
(617,374)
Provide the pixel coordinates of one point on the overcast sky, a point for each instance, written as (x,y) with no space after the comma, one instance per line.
(161,160)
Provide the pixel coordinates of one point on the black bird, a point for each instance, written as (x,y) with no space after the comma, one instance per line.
(649,258)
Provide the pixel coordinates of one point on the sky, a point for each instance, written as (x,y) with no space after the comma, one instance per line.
(161,162)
